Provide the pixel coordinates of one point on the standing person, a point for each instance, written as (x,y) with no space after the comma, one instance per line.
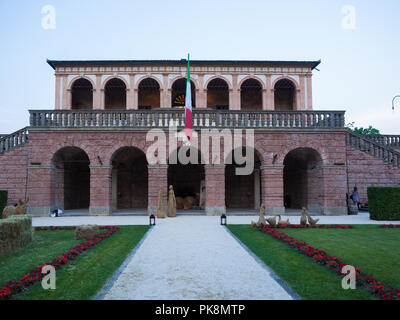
(355,197)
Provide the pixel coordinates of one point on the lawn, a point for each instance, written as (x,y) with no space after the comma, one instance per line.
(371,248)
(80,279)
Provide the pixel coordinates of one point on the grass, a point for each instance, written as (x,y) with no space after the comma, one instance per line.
(46,246)
(82,278)
(371,248)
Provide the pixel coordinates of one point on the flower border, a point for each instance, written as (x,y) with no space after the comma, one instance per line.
(390,225)
(335,264)
(35,275)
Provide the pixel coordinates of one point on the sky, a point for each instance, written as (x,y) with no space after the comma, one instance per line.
(359,49)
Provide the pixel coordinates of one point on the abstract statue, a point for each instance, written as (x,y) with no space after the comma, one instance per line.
(160,208)
(261,219)
(311,221)
(171,203)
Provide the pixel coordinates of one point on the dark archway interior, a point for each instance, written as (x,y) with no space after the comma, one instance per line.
(149,94)
(284,95)
(132,178)
(115,95)
(179,93)
(186,178)
(240,189)
(251,95)
(82,95)
(302,179)
(71,179)
(218,94)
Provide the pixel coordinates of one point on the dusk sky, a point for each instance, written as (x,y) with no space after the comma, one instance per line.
(359,73)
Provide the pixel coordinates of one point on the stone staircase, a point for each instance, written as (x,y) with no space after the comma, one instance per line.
(13,140)
(377,146)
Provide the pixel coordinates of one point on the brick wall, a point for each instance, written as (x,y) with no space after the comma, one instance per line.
(13,173)
(364,170)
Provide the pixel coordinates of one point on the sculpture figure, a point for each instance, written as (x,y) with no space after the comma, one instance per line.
(303,219)
(160,208)
(261,219)
(282,222)
(311,221)
(171,203)
(20,209)
(272,221)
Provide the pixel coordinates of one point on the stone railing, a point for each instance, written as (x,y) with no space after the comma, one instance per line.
(373,148)
(392,141)
(13,140)
(202,118)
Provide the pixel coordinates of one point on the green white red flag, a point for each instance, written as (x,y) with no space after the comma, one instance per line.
(188,105)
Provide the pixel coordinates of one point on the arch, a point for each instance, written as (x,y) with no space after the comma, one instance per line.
(70,84)
(81,94)
(218,94)
(219,77)
(303,179)
(129,179)
(70,179)
(243,191)
(178,93)
(104,83)
(251,97)
(254,78)
(285,94)
(187,179)
(148,76)
(148,93)
(115,94)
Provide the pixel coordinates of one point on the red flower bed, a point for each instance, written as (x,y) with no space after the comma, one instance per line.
(52,228)
(35,275)
(318,226)
(367,281)
(390,225)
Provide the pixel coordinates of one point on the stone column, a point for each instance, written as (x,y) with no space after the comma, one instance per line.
(215,190)
(100,190)
(335,188)
(114,189)
(272,189)
(309,92)
(39,190)
(257,200)
(268,96)
(64,93)
(97,93)
(57,104)
(301,104)
(158,176)
(132,97)
(234,96)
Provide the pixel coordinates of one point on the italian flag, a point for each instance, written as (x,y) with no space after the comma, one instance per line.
(188,105)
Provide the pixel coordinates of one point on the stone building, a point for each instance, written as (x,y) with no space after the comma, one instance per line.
(89,152)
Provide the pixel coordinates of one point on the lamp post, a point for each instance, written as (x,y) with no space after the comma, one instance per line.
(223,220)
(152,220)
(395,97)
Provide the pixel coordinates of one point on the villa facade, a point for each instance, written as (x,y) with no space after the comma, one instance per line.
(89,151)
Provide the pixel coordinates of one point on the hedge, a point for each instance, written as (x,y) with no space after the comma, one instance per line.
(384,203)
(3,201)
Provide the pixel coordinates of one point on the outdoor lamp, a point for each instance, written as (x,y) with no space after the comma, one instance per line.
(152,220)
(223,220)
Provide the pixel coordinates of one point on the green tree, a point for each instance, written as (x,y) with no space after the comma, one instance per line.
(361,130)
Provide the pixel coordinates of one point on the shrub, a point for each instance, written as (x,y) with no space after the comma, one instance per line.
(3,201)
(384,203)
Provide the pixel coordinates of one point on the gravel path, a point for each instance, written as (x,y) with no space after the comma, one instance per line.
(194,258)
(361,218)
